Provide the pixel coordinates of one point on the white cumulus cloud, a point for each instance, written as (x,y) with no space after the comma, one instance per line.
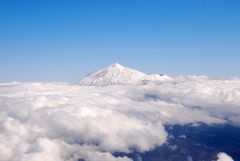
(224,157)
(65,122)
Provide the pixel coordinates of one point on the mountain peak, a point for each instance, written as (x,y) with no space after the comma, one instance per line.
(116,65)
(117,74)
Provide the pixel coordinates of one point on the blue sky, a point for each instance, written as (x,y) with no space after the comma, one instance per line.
(56,40)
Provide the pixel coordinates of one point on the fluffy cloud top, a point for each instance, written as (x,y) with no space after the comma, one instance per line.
(224,157)
(65,122)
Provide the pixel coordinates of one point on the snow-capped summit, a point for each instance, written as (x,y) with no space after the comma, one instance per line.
(117,74)
(116,65)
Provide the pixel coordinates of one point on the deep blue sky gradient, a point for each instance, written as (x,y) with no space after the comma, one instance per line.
(56,40)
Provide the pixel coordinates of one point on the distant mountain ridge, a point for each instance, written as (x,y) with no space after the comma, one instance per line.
(117,74)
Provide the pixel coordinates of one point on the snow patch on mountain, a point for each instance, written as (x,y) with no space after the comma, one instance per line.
(117,74)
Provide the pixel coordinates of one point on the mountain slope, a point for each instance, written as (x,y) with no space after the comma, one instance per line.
(117,74)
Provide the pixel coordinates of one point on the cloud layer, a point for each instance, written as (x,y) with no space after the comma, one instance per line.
(65,122)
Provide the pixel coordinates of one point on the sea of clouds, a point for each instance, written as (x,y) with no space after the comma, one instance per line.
(68,122)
